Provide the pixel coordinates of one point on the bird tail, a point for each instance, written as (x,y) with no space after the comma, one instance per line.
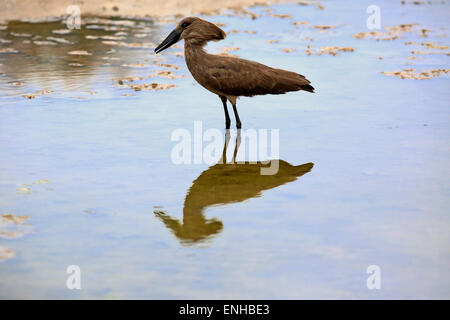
(308,87)
(290,81)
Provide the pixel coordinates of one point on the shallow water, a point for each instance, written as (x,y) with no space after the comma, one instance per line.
(90,164)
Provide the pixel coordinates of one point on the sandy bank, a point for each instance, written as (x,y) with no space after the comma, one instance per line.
(41,9)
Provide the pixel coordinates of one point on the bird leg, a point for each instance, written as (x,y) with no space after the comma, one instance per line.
(227,116)
(236,115)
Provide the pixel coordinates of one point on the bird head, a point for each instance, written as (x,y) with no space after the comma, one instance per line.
(193,30)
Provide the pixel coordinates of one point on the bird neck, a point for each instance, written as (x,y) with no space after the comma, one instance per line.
(194,49)
(193,53)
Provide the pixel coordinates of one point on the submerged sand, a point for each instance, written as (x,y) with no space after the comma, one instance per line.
(42,9)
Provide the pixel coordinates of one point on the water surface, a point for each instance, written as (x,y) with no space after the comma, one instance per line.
(363,179)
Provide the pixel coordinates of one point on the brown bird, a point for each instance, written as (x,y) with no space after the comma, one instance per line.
(228,77)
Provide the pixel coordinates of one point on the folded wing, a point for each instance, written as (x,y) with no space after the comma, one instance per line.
(240,77)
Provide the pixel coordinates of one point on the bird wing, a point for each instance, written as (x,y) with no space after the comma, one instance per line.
(240,77)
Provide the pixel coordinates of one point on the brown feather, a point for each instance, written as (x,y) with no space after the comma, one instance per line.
(240,77)
(229,76)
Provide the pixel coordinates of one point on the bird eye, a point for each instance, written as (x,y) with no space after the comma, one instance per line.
(185,24)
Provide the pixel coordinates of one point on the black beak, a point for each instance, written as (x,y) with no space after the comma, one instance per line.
(171,39)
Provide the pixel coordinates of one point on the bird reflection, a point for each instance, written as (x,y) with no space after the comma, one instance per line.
(222,184)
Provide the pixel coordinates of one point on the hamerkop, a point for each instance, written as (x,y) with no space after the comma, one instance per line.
(228,77)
